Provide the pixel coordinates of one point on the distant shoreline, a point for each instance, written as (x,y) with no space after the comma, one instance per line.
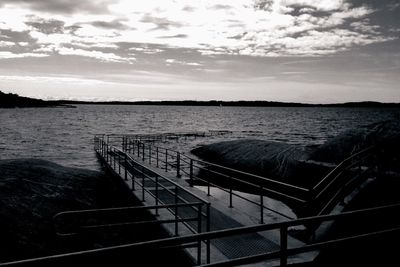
(16,101)
(215,103)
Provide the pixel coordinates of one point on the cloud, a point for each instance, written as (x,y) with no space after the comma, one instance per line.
(220,6)
(108,57)
(7,55)
(16,36)
(114,24)
(262,28)
(174,36)
(170,61)
(160,23)
(62,6)
(6,43)
(47,26)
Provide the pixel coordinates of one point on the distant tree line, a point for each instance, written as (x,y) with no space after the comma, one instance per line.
(13,100)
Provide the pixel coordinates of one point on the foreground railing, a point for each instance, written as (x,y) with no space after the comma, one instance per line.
(282,255)
(164,193)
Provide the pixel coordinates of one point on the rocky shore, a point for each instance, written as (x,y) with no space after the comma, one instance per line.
(33,191)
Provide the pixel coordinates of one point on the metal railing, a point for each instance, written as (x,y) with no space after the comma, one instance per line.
(340,181)
(164,193)
(319,199)
(206,173)
(282,255)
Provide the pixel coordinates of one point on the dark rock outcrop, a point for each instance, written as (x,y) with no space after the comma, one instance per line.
(304,166)
(32,191)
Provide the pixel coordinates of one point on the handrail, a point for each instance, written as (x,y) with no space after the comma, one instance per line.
(234,170)
(110,211)
(164,178)
(179,159)
(299,196)
(115,158)
(281,254)
(340,165)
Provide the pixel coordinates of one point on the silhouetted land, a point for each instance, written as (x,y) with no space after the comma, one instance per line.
(14,100)
(235,103)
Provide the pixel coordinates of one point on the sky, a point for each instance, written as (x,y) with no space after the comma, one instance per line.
(310,51)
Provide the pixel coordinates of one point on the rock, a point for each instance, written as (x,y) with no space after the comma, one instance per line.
(386,134)
(32,191)
(269,159)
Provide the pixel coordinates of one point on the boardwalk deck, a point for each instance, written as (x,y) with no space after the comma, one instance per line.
(221,217)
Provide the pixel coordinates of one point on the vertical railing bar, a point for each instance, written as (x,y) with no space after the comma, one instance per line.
(178,165)
(150,154)
(199,210)
(133,176)
(166,160)
(208,249)
(157,155)
(143,152)
(119,163)
(283,245)
(230,197)
(191,172)
(157,200)
(126,166)
(261,205)
(143,181)
(176,210)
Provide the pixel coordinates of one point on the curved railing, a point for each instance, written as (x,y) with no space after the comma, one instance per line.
(318,199)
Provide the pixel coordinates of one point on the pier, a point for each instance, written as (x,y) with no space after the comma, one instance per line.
(215,222)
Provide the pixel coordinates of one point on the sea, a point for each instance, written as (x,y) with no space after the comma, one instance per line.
(65,135)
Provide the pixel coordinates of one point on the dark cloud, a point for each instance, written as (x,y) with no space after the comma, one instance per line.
(63,6)
(15,36)
(174,36)
(161,23)
(47,26)
(115,24)
(263,4)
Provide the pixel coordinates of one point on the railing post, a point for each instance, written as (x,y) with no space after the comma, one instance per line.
(107,152)
(199,209)
(126,166)
(191,172)
(261,205)
(119,163)
(283,245)
(150,154)
(178,164)
(143,177)
(157,156)
(208,182)
(230,197)
(156,194)
(166,160)
(133,176)
(138,148)
(143,152)
(208,249)
(176,210)
(113,157)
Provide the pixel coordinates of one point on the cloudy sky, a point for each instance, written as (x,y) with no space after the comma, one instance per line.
(277,50)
